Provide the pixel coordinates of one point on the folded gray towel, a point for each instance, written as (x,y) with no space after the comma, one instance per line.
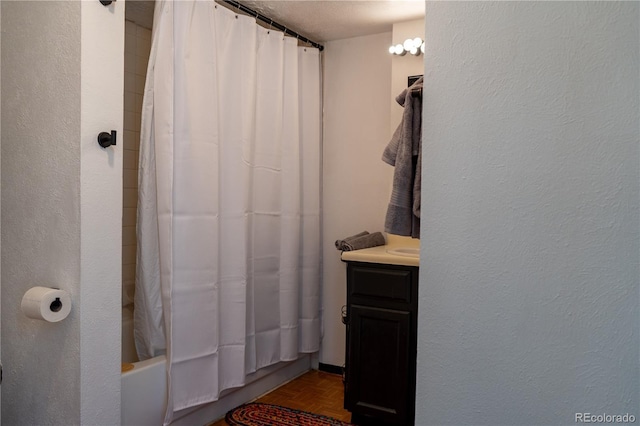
(366,241)
(341,244)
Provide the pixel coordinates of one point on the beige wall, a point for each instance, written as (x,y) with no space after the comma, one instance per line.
(356,183)
(404,66)
(361,81)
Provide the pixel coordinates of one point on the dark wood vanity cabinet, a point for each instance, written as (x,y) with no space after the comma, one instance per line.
(380,368)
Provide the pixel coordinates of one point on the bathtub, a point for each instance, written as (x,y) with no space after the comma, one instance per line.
(144,388)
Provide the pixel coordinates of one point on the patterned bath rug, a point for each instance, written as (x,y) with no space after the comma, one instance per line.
(259,414)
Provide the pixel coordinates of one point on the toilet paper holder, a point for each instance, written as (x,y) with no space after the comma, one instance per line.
(47,304)
(56,305)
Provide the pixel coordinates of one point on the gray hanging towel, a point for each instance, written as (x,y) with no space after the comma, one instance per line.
(404,152)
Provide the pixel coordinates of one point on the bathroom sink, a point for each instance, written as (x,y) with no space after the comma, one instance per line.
(405,251)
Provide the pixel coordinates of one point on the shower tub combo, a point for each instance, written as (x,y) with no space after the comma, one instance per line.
(144,388)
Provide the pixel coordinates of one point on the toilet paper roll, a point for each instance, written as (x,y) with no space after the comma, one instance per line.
(48,304)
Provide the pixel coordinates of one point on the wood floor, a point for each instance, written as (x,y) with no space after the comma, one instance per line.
(316,391)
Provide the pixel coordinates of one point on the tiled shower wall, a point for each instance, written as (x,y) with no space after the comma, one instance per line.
(137,47)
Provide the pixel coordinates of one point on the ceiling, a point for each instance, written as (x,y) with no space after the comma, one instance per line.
(337,19)
(319,21)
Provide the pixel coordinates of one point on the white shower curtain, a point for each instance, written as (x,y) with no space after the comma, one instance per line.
(229,200)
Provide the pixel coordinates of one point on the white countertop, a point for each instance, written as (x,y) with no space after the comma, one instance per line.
(381,254)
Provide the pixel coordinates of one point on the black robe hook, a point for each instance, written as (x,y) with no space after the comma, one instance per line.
(105,139)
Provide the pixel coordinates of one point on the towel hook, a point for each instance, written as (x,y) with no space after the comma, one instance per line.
(105,139)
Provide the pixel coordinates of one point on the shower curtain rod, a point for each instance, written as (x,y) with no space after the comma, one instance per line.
(271,23)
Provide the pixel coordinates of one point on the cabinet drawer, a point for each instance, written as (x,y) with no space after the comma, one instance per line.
(391,284)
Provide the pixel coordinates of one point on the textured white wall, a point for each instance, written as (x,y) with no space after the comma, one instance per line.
(101,93)
(61,209)
(40,208)
(356,183)
(530,230)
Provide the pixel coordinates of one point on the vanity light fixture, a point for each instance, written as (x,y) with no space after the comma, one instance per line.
(397,49)
(415,46)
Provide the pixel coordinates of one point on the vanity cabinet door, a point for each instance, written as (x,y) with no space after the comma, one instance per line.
(378,364)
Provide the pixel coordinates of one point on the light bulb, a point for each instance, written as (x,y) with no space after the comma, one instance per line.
(422,47)
(414,51)
(408,44)
(392,49)
(417,42)
(399,50)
